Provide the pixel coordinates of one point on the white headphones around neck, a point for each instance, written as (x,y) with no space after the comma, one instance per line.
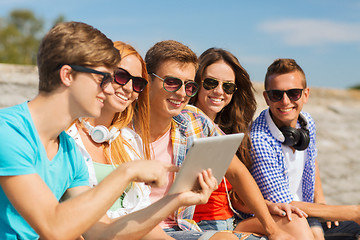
(100,133)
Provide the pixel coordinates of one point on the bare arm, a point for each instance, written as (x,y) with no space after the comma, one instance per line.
(138,224)
(279,209)
(247,189)
(318,193)
(319,196)
(157,233)
(69,219)
(330,212)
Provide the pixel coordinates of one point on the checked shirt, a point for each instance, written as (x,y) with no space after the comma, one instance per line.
(269,167)
(191,123)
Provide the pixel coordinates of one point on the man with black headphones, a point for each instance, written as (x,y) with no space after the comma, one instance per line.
(284,152)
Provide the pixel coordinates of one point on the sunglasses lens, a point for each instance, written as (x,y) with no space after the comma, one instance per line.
(210,83)
(294,94)
(172,84)
(139,84)
(107,79)
(191,88)
(229,88)
(121,76)
(275,95)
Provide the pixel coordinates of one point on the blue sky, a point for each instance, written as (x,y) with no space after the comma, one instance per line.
(323,36)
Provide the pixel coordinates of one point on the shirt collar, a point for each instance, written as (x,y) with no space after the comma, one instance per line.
(182,120)
(275,131)
(277,134)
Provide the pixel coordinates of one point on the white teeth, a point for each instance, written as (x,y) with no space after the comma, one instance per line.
(100,100)
(215,99)
(175,102)
(285,109)
(121,96)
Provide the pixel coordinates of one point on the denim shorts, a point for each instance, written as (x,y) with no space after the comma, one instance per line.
(314,222)
(218,225)
(178,234)
(347,230)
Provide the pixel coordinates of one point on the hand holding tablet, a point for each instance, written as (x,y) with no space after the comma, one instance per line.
(215,153)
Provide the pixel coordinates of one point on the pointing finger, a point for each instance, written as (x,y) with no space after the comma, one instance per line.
(173,168)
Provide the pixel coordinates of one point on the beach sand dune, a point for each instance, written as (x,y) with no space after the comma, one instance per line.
(336,112)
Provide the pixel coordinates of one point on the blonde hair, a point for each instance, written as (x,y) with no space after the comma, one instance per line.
(137,112)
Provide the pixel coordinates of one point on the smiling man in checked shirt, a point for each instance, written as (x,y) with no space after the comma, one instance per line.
(284,152)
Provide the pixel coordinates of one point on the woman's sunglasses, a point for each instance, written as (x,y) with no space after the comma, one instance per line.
(106,80)
(172,84)
(276,95)
(122,77)
(211,83)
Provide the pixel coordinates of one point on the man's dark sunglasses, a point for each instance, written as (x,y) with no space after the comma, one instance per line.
(172,84)
(122,77)
(293,94)
(211,83)
(106,80)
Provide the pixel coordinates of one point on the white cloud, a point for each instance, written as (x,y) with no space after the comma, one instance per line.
(313,32)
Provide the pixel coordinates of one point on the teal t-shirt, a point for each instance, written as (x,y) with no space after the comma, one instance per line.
(101,172)
(22,152)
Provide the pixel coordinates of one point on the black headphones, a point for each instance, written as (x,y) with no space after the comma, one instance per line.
(297,138)
(100,133)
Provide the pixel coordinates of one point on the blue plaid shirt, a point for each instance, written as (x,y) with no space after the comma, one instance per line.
(269,168)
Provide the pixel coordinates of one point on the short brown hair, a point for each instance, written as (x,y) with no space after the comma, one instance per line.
(72,43)
(169,50)
(282,66)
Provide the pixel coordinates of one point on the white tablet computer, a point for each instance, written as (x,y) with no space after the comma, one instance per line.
(211,152)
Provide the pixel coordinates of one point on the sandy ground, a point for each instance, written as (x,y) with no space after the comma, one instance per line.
(336,112)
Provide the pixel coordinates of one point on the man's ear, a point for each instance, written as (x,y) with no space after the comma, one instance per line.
(65,75)
(306,94)
(266,98)
(150,79)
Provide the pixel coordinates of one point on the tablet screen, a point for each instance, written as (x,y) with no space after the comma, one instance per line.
(211,152)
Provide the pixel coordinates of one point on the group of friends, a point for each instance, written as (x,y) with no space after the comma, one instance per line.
(94,154)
